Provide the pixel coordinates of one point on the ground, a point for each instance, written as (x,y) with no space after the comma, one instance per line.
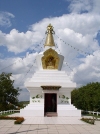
(8,127)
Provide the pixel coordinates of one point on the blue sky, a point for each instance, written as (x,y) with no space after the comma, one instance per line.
(22,27)
(27,12)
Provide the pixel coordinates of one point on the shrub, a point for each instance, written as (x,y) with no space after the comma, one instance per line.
(19,120)
(88,120)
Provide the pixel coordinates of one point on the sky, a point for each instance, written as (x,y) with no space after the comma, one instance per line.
(77,36)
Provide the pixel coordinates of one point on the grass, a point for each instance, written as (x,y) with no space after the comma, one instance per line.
(6,114)
(93,115)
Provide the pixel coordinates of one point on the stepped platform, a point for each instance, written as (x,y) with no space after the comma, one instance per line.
(51,114)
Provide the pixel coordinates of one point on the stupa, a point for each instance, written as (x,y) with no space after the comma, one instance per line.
(50,87)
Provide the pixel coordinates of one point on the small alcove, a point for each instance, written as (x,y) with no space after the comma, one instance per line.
(50,60)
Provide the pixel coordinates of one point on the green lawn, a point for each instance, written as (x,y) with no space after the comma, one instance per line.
(7,114)
(92,115)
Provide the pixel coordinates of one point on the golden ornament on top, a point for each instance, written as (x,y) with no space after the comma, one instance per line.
(49,39)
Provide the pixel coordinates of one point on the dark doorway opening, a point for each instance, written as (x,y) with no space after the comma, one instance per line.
(50,102)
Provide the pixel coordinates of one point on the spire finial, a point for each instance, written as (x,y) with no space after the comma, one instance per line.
(50,29)
(49,39)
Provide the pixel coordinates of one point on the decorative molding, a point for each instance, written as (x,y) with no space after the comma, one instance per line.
(51,87)
(65,99)
(36,97)
(36,101)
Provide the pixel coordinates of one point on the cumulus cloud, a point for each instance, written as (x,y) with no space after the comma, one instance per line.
(89,69)
(80,27)
(80,6)
(5,19)
(19,66)
(18,42)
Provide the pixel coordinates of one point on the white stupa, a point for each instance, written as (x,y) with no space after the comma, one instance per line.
(50,88)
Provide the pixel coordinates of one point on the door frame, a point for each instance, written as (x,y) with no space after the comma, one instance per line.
(45,104)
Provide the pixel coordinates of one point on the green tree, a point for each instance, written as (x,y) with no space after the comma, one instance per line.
(87,97)
(8,94)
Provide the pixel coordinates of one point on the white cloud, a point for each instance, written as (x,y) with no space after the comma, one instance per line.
(80,27)
(89,69)
(18,42)
(18,66)
(78,6)
(5,19)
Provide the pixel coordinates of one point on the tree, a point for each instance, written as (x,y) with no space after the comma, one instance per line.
(8,94)
(87,97)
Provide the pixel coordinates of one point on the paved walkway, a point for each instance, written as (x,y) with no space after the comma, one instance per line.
(51,120)
(8,127)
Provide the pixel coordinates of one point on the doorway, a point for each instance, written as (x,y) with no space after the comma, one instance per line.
(50,102)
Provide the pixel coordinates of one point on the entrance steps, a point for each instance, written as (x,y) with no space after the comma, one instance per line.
(68,110)
(51,114)
(34,109)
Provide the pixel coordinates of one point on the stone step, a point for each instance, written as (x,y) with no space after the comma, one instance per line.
(55,77)
(51,71)
(51,114)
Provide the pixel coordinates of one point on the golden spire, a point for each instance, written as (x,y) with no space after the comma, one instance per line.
(49,39)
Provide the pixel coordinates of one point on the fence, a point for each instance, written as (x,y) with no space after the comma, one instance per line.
(92,112)
(9,111)
(13,111)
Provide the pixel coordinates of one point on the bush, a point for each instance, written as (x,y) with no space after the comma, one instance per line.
(88,120)
(19,120)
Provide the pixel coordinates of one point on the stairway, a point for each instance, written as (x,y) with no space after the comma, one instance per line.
(51,114)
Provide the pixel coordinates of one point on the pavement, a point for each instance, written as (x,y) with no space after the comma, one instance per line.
(50,120)
(8,127)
